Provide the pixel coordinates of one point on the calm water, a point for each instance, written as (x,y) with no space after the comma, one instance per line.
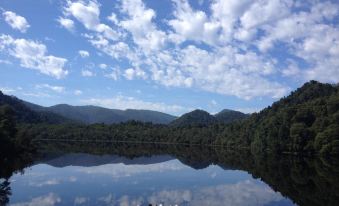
(143,175)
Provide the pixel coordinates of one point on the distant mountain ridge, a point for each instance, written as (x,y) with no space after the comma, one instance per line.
(94,114)
(63,113)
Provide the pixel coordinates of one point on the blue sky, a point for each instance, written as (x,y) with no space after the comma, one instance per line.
(171,55)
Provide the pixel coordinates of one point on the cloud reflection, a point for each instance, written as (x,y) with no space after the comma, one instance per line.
(80,200)
(48,200)
(122,170)
(248,192)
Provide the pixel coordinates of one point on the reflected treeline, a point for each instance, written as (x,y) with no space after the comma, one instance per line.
(306,181)
(9,165)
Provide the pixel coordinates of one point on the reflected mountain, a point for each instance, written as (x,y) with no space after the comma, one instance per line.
(89,160)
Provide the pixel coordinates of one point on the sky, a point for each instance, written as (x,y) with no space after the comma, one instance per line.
(171,56)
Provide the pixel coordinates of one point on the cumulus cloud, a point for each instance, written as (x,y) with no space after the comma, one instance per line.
(83,53)
(33,55)
(88,14)
(231,50)
(131,73)
(125,102)
(66,23)
(103,66)
(87,73)
(141,26)
(15,21)
(113,74)
(192,25)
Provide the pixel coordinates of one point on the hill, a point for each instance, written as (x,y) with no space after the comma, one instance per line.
(227,116)
(195,118)
(202,118)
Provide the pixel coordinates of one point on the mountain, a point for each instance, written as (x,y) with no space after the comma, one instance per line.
(62,113)
(148,116)
(195,118)
(87,114)
(94,114)
(24,113)
(202,118)
(227,116)
(306,121)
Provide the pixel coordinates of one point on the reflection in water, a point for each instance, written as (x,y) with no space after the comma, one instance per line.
(5,192)
(153,174)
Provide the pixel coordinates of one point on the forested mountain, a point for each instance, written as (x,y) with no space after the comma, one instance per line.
(202,118)
(94,114)
(195,118)
(148,116)
(227,116)
(305,122)
(24,114)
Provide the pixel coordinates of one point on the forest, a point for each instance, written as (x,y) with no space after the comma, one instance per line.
(305,122)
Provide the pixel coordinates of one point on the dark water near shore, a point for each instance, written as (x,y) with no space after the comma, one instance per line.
(143,174)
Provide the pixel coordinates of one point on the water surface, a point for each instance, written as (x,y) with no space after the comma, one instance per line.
(144,175)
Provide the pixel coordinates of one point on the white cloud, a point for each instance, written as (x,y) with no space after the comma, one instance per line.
(83,53)
(15,21)
(87,73)
(33,55)
(78,92)
(192,25)
(66,23)
(103,66)
(125,102)
(140,24)
(114,74)
(58,89)
(131,73)
(88,14)
(224,70)
(48,200)
(226,51)
(262,12)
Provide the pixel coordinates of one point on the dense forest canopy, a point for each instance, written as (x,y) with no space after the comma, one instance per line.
(305,122)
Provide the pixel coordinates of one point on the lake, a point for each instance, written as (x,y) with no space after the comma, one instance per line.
(143,174)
